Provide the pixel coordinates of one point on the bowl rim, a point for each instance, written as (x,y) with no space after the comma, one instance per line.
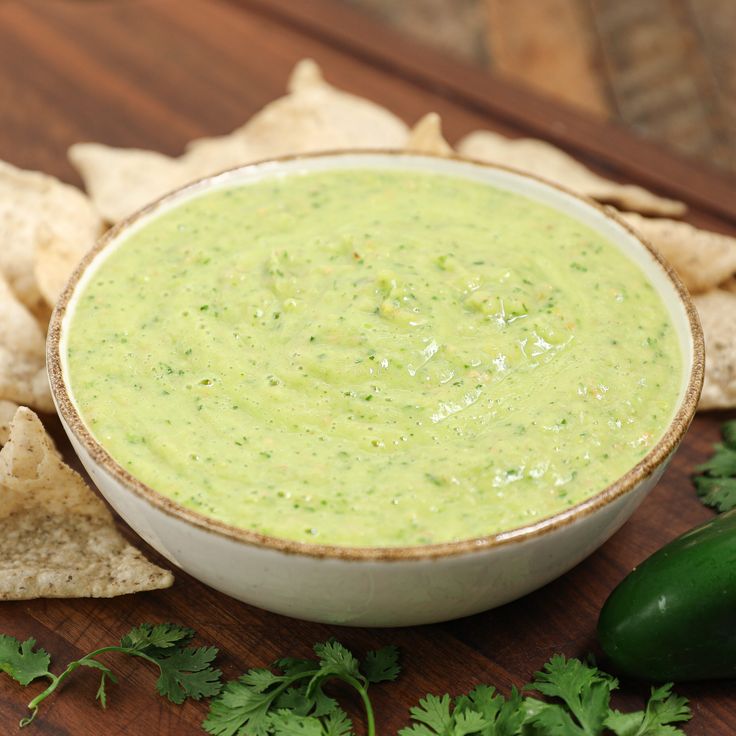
(75,425)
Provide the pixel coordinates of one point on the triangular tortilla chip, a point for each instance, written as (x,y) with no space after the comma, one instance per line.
(549,162)
(7,412)
(426,137)
(59,539)
(314,116)
(54,262)
(717,311)
(31,206)
(701,258)
(23,376)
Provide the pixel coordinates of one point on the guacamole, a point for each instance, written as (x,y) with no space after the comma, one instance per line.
(371,358)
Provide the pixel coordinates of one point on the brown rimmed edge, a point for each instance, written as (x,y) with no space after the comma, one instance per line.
(642,470)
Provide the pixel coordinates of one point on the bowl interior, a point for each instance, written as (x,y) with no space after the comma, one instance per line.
(666,284)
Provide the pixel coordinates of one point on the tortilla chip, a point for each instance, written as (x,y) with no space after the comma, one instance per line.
(54,262)
(22,355)
(31,205)
(549,162)
(729,285)
(7,412)
(314,116)
(717,311)
(426,137)
(59,539)
(702,259)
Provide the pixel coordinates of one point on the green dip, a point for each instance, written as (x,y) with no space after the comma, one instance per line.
(372,358)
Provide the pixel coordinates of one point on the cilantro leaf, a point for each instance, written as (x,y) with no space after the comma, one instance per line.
(718,493)
(721,465)
(381,665)
(337,659)
(106,675)
(586,691)
(20,661)
(433,712)
(663,709)
(503,717)
(263,702)
(286,723)
(716,482)
(728,432)
(338,723)
(186,673)
(159,636)
(291,666)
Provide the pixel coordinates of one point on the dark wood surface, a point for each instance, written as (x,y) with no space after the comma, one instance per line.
(664,68)
(155,74)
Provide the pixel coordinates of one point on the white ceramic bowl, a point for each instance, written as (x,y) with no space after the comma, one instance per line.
(380,586)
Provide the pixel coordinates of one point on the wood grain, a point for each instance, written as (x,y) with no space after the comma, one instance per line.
(155,73)
(551,46)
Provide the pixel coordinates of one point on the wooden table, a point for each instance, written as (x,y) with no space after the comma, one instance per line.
(156,73)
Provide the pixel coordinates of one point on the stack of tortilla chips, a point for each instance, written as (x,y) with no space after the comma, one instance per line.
(60,539)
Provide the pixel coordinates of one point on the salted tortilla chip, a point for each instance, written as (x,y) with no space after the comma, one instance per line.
(22,355)
(426,137)
(7,412)
(549,162)
(702,259)
(717,311)
(33,204)
(314,116)
(59,539)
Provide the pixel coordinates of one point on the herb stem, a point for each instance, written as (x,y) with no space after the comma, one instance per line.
(57,680)
(369,717)
(363,692)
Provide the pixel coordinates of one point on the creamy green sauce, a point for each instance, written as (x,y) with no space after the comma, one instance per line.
(372,358)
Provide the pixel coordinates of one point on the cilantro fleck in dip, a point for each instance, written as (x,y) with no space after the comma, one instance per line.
(372,358)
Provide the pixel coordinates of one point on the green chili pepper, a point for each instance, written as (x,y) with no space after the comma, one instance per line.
(674,617)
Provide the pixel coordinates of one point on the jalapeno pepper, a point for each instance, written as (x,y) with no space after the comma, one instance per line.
(674,617)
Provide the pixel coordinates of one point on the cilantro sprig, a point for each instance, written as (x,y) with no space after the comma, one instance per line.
(292,701)
(577,704)
(184,671)
(715,481)
(567,697)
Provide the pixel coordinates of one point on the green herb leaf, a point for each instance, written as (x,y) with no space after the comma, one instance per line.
(159,636)
(381,665)
(263,702)
(728,432)
(337,723)
(237,707)
(663,709)
(286,723)
(336,659)
(585,690)
(434,712)
(718,493)
(20,661)
(721,465)
(716,484)
(186,673)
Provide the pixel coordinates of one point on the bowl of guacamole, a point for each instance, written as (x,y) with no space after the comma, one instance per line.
(374,388)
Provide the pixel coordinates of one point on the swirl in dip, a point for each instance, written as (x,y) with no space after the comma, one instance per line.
(371,358)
